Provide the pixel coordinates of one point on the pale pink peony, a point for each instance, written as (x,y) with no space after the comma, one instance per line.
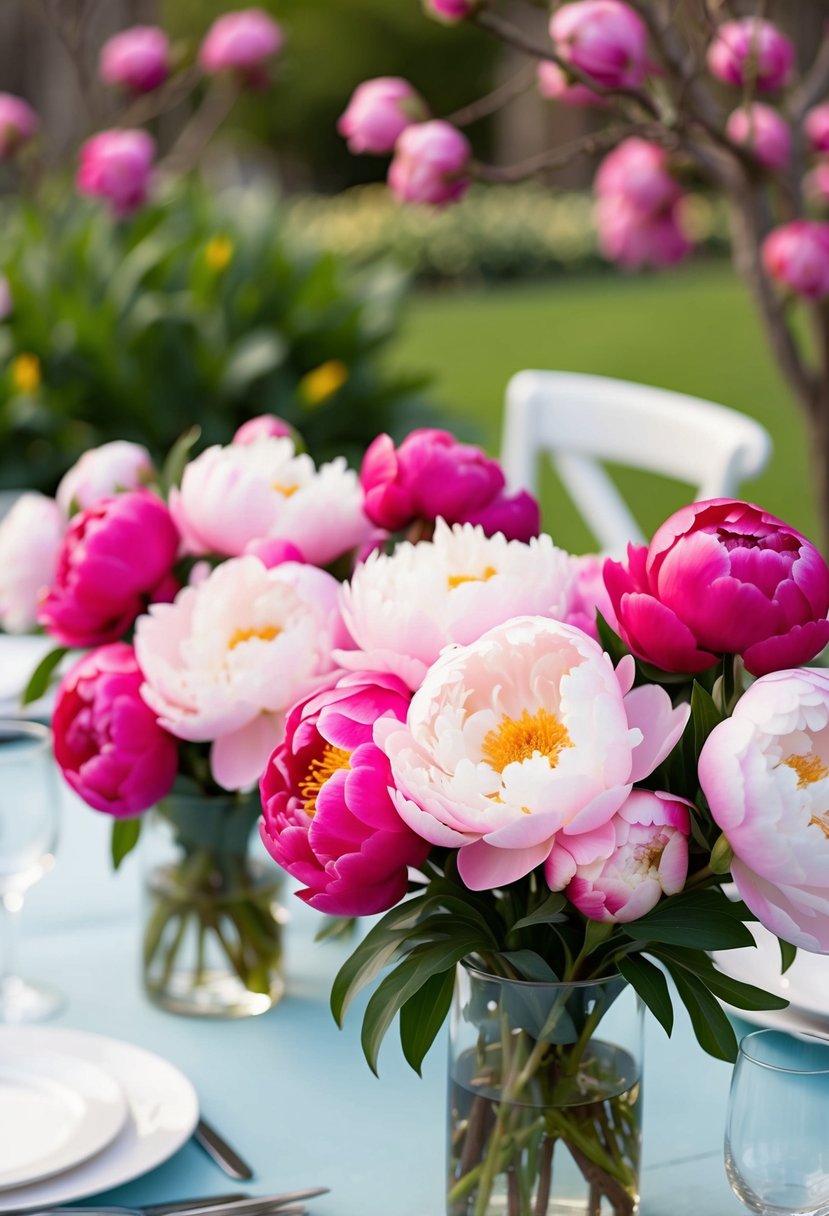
(520,748)
(264,426)
(648,859)
(431,164)
(605,39)
(30,538)
(101,472)
(816,126)
(115,558)
(116,166)
(589,595)
(765,131)
(556,85)
(137,59)
(403,609)
(242,42)
(108,743)
(634,240)
(636,172)
(722,577)
(231,497)
(450,12)
(751,50)
(378,112)
(328,817)
(764,772)
(18,124)
(226,660)
(797,256)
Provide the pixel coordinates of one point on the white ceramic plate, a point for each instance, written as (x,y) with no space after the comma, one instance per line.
(162,1113)
(55,1111)
(805,985)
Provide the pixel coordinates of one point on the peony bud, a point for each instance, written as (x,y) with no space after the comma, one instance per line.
(18,124)
(242,42)
(116,166)
(137,59)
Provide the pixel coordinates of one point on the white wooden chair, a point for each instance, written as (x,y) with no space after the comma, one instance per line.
(579,421)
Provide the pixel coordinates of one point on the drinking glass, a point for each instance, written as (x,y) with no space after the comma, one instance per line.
(776,1142)
(28,835)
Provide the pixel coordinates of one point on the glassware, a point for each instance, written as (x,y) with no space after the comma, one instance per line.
(776,1141)
(545,1088)
(28,836)
(213,929)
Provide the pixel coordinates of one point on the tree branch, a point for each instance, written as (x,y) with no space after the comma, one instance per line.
(812,87)
(555,158)
(493,101)
(214,109)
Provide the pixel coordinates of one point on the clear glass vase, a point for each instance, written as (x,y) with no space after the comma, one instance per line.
(213,921)
(545,1098)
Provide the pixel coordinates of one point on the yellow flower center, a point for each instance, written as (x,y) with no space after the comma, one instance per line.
(266,632)
(822,822)
(455,580)
(319,771)
(323,382)
(25,372)
(285,491)
(809,769)
(517,739)
(218,253)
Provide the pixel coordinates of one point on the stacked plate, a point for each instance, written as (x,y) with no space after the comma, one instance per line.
(80,1113)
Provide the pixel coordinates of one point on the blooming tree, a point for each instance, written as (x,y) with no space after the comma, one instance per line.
(709,91)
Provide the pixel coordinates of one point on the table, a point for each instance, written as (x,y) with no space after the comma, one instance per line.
(293,1092)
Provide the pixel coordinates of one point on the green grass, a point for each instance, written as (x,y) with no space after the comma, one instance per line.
(692,330)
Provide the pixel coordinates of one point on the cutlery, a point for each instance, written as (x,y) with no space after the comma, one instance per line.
(181,1205)
(221,1152)
(288,1204)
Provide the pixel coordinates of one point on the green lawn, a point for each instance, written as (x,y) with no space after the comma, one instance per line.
(692,330)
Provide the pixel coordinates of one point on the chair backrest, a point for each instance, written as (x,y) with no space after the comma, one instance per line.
(580,420)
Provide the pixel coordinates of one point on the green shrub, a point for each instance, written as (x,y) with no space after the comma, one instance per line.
(201,309)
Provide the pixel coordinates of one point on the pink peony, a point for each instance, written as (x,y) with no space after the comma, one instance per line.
(751,50)
(764,773)
(18,124)
(722,577)
(378,112)
(431,164)
(242,42)
(765,131)
(634,240)
(605,39)
(108,743)
(137,59)
(328,817)
(816,126)
(104,471)
(648,859)
(636,172)
(264,426)
(589,595)
(450,12)
(797,256)
(555,85)
(116,166)
(432,475)
(115,558)
(30,540)
(225,662)
(520,748)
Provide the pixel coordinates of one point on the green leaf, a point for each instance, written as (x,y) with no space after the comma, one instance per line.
(610,640)
(649,982)
(733,992)
(712,1028)
(41,677)
(177,458)
(336,928)
(125,833)
(704,716)
(374,952)
(698,919)
(547,913)
(423,1015)
(530,966)
(407,978)
(788,953)
(254,355)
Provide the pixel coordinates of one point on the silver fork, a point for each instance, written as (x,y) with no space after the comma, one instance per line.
(288,1204)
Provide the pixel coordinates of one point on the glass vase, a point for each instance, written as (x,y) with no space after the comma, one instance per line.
(545,1097)
(213,923)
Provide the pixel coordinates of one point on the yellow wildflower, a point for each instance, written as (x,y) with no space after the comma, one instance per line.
(25,373)
(218,253)
(318,385)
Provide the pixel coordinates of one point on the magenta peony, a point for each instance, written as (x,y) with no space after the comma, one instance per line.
(137,59)
(242,42)
(751,51)
(450,12)
(605,39)
(340,835)
(797,256)
(431,164)
(108,743)
(116,166)
(116,557)
(378,112)
(765,131)
(264,426)
(18,124)
(722,577)
(816,126)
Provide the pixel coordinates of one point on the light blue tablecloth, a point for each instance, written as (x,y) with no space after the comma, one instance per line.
(293,1092)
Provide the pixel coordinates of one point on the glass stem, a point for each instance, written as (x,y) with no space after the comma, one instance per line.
(12,902)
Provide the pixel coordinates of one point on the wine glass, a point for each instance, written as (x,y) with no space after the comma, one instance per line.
(776,1142)
(28,835)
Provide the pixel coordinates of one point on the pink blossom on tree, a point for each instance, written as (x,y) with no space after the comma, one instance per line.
(605,39)
(137,59)
(751,51)
(242,42)
(797,256)
(18,124)
(765,131)
(378,112)
(431,164)
(116,166)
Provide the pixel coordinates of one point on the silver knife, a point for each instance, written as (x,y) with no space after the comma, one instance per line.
(220,1151)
